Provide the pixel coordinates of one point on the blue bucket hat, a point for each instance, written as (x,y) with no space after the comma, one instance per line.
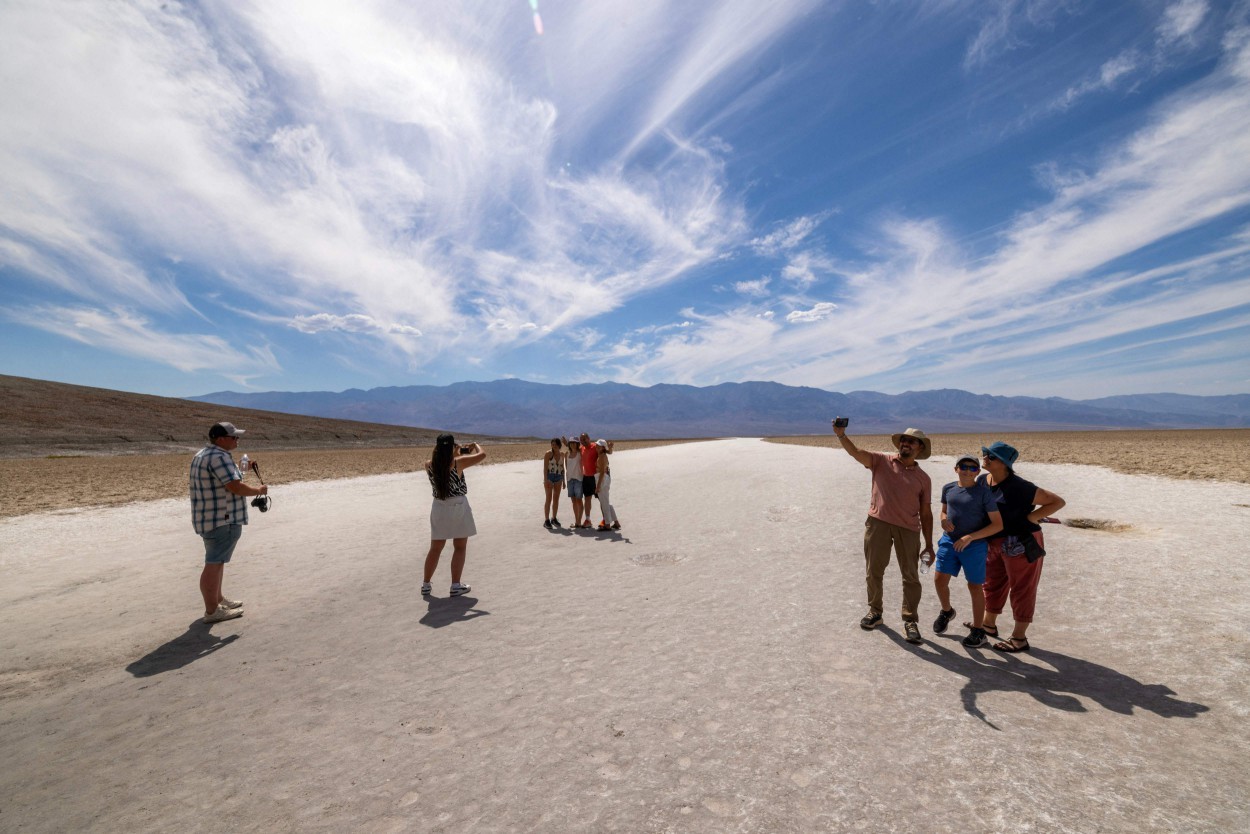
(1002,452)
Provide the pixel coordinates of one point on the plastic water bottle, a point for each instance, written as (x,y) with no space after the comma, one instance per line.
(243,464)
(924,566)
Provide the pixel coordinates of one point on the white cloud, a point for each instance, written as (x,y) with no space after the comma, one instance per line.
(787,237)
(353,323)
(822,310)
(1181,19)
(756,289)
(130,334)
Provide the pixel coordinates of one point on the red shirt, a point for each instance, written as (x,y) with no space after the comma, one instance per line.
(590,459)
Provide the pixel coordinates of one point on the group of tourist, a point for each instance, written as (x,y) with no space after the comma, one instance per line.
(582,468)
(990,527)
(989,522)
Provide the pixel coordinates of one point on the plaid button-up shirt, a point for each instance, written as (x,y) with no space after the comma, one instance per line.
(212,505)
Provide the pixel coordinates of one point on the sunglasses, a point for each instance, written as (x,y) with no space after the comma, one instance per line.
(969,467)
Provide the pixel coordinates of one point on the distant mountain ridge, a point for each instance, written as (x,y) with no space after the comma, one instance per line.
(514,407)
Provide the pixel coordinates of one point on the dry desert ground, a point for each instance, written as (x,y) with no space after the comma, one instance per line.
(700,671)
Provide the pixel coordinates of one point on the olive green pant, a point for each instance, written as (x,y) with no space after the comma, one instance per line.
(879,537)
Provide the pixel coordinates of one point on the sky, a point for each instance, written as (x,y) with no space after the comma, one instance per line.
(1046,197)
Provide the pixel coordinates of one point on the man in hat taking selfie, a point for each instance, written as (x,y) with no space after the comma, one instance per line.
(218,513)
(899,512)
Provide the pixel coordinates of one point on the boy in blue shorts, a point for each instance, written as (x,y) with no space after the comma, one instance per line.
(969,516)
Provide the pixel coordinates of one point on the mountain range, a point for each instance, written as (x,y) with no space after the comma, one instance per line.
(513,407)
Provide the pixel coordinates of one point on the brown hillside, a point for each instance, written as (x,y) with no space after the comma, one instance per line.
(39,418)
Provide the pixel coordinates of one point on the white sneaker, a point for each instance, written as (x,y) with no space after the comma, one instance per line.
(223,613)
(231,603)
(457,589)
(425,589)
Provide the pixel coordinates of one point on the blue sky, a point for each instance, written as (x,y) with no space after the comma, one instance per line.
(1047,198)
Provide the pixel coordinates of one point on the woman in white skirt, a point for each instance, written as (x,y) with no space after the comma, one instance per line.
(451,517)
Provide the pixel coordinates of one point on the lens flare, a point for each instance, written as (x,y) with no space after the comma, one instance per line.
(538,23)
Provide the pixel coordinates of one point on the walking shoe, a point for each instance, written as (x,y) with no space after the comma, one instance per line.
(975,638)
(913,633)
(231,603)
(555,522)
(457,589)
(870,622)
(223,613)
(942,621)
(547,524)
(425,589)
(603,525)
(616,526)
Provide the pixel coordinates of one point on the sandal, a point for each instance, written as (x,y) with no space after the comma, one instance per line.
(990,631)
(1011,645)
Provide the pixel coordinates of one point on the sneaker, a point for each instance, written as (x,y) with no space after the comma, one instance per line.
(912,632)
(547,524)
(975,638)
(603,525)
(870,622)
(555,522)
(425,589)
(223,613)
(231,603)
(943,620)
(616,526)
(457,589)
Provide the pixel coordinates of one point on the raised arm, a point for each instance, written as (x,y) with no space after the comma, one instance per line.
(476,456)
(860,455)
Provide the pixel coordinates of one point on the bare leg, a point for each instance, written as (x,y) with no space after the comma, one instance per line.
(210,586)
(978,604)
(431,558)
(550,488)
(942,584)
(458,550)
(577,512)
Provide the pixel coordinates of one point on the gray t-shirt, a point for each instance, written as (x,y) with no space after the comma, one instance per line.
(968,508)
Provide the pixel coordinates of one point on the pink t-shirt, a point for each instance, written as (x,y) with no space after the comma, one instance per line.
(898,492)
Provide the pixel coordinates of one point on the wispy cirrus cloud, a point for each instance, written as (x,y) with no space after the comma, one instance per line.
(1033,293)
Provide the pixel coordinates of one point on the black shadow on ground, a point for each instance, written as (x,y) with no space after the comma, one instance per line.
(1061,687)
(198,641)
(443,611)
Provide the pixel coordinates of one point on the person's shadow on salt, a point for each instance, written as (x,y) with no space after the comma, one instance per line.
(443,611)
(1061,687)
(198,641)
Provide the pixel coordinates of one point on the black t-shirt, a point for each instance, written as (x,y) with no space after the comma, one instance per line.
(1015,501)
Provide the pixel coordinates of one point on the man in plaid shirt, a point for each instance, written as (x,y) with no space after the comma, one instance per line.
(218,513)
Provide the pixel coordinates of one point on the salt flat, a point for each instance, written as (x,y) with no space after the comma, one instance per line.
(702,671)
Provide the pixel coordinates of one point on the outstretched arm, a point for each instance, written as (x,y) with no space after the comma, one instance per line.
(854,451)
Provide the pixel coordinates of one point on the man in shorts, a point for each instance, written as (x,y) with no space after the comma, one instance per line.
(590,471)
(898,513)
(969,516)
(218,513)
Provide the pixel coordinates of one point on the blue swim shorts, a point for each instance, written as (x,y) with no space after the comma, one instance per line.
(972,559)
(575,487)
(219,543)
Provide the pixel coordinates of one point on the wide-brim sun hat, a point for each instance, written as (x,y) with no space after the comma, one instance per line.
(1002,452)
(926,447)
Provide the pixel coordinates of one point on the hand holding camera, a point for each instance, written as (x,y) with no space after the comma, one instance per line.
(840,424)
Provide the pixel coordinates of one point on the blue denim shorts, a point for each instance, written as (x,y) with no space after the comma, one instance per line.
(972,559)
(219,543)
(575,487)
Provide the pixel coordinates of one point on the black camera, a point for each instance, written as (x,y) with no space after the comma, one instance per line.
(466,450)
(841,422)
(262,503)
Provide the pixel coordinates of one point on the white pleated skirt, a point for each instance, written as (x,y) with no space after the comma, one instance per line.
(452,518)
